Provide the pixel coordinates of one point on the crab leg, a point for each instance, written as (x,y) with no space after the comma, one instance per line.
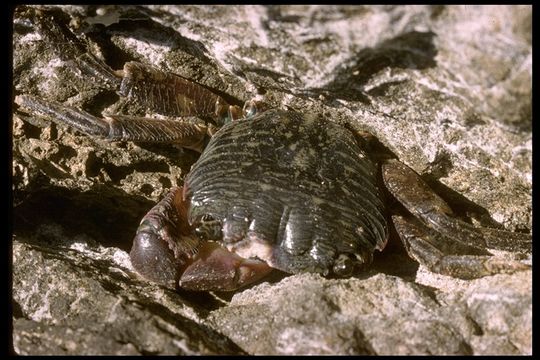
(418,198)
(158,91)
(507,240)
(172,95)
(439,241)
(72,50)
(167,251)
(444,256)
(118,127)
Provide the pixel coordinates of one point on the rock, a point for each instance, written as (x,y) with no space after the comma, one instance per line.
(446,89)
(379,314)
(75,299)
(502,308)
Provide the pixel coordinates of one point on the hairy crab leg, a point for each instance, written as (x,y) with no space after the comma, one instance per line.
(439,241)
(171,94)
(420,200)
(118,127)
(53,29)
(167,251)
(507,240)
(444,256)
(159,91)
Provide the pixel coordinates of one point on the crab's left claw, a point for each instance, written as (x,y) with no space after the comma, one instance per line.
(216,268)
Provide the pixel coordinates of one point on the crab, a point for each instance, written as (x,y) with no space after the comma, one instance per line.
(273,188)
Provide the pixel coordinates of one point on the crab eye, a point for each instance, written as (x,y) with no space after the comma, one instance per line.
(250,109)
(343,266)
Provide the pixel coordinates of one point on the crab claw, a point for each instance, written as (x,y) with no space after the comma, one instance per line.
(166,251)
(216,268)
(153,259)
(164,245)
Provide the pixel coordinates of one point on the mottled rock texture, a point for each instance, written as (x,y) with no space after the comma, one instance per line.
(447,89)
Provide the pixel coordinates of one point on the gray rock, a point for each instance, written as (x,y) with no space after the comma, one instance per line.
(447,89)
(76,299)
(379,314)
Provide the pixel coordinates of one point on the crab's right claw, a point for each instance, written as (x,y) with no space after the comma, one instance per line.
(163,245)
(166,251)
(153,259)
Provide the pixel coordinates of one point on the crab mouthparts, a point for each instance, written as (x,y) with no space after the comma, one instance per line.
(216,268)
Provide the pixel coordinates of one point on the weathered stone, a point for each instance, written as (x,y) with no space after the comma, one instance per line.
(75,299)
(447,89)
(379,314)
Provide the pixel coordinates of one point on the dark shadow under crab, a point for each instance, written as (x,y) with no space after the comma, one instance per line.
(272,188)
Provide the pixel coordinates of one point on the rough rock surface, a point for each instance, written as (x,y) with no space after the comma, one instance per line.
(447,89)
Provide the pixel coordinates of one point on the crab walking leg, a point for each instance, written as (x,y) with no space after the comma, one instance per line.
(443,256)
(507,240)
(167,251)
(118,127)
(157,90)
(417,197)
(73,51)
(171,94)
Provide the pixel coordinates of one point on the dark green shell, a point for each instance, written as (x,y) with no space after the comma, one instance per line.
(300,184)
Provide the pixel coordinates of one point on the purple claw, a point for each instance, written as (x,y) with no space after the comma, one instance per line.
(216,268)
(154,260)
(165,251)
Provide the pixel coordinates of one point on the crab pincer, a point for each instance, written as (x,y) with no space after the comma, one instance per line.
(167,251)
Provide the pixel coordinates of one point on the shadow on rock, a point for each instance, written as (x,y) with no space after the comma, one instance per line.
(412,50)
(106,214)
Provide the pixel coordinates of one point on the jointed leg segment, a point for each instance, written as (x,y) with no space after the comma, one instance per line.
(158,91)
(442,255)
(118,127)
(442,243)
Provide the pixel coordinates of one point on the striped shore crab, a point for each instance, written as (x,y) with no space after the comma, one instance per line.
(272,189)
